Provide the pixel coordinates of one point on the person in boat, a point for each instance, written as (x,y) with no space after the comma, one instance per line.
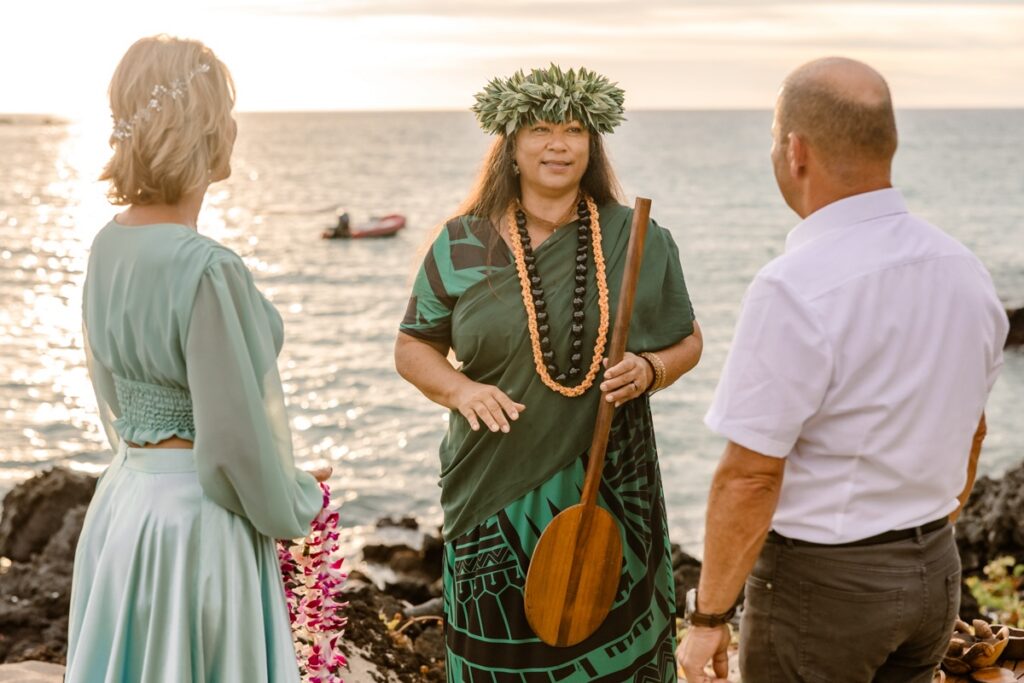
(522,285)
(176,574)
(344,226)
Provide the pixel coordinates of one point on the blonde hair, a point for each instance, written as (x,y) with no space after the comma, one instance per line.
(174,148)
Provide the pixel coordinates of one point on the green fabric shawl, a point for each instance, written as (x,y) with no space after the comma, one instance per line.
(483,471)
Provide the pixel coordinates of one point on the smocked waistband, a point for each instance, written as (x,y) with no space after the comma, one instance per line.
(158,460)
(151,413)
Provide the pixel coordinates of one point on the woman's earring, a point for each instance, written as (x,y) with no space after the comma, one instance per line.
(515,167)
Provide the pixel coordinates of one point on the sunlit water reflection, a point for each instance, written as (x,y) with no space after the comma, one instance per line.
(341,302)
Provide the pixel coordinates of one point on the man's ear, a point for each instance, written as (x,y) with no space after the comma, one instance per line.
(796,155)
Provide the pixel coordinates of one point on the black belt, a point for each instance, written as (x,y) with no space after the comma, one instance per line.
(887,537)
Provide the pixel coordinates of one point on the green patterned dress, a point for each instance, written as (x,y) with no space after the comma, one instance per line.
(499,491)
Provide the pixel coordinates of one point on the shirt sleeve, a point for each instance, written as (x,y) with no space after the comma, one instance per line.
(106,397)
(243,447)
(429,314)
(777,372)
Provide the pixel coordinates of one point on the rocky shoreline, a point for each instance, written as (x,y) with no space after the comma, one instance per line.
(395,629)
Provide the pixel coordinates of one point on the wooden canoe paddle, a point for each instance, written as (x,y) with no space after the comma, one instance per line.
(575,569)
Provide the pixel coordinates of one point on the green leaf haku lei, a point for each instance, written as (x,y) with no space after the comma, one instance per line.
(551,94)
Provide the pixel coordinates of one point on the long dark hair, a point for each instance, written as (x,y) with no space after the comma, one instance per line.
(497,185)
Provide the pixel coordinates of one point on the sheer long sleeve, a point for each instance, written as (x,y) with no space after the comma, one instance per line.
(243,445)
(103,386)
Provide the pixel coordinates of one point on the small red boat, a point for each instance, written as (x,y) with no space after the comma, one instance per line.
(382,226)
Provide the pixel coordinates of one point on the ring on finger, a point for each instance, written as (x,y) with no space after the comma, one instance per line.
(636,387)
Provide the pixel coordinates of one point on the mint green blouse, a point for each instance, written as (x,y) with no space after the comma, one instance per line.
(179,342)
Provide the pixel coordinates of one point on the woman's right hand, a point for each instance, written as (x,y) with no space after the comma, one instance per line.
(488,404)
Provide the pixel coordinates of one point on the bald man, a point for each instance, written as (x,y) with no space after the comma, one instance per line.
(852,401)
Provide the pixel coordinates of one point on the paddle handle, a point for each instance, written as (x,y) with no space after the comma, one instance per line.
(617,347)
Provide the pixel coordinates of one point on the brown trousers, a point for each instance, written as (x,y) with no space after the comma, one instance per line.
(870,614)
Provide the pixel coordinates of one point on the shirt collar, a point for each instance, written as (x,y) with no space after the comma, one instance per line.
(846,212)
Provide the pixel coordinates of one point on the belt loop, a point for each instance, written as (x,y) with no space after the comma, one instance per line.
(789,541)
(918,534)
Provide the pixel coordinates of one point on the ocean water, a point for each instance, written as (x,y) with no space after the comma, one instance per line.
(707,173)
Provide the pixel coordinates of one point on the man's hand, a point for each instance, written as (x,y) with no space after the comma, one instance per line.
(972,467)
(700,646)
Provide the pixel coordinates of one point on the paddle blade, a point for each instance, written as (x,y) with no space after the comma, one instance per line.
(573,576)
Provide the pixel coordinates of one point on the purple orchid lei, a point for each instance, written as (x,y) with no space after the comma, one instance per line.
(312,574)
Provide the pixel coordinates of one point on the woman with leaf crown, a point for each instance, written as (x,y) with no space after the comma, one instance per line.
(520,286)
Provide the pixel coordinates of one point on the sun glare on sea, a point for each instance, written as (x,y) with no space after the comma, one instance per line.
(59,315)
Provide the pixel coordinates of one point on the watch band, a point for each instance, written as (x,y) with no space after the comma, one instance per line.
(697,618)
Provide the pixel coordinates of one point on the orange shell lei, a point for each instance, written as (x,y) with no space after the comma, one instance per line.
(531,311)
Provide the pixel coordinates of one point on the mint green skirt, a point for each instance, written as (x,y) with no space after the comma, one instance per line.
(169,587)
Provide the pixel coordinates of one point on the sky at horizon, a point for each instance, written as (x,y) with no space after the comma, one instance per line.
(311,55)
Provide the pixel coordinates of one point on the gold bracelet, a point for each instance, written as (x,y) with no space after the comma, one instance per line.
(659,371)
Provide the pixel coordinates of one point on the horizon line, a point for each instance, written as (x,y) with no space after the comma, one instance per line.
(63,118)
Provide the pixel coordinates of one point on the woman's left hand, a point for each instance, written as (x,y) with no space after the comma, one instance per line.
(322,474)
(627,380)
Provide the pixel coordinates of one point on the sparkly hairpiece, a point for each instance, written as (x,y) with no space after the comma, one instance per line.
(123,128)
(550,95)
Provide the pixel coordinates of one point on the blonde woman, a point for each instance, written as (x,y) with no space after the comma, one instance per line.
(176,574)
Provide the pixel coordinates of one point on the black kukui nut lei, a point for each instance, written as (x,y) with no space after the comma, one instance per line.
(579,293)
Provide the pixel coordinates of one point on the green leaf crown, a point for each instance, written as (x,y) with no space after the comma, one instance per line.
(551,94)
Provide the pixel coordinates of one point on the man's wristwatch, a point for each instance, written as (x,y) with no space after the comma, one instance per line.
(696,618)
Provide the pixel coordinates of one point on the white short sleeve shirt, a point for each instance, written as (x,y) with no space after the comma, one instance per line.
(864,356)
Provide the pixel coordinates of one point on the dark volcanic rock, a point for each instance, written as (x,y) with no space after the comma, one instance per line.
(405,641)
(433,554)
(35,508)
(1016,336)
(404,572)
(402,523)
(42,519)
(990,526)
(430,644)
(382,553)
(35,597)
(377,629)
(992,522)
(969,608)
(686,572)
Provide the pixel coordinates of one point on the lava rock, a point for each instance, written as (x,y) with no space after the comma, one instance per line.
(413,590)
(406,561)
(401,523)
(430,644)
(1016,336)
(33,509)
(686,572)
(992,523)
(382,553)
(35,592)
